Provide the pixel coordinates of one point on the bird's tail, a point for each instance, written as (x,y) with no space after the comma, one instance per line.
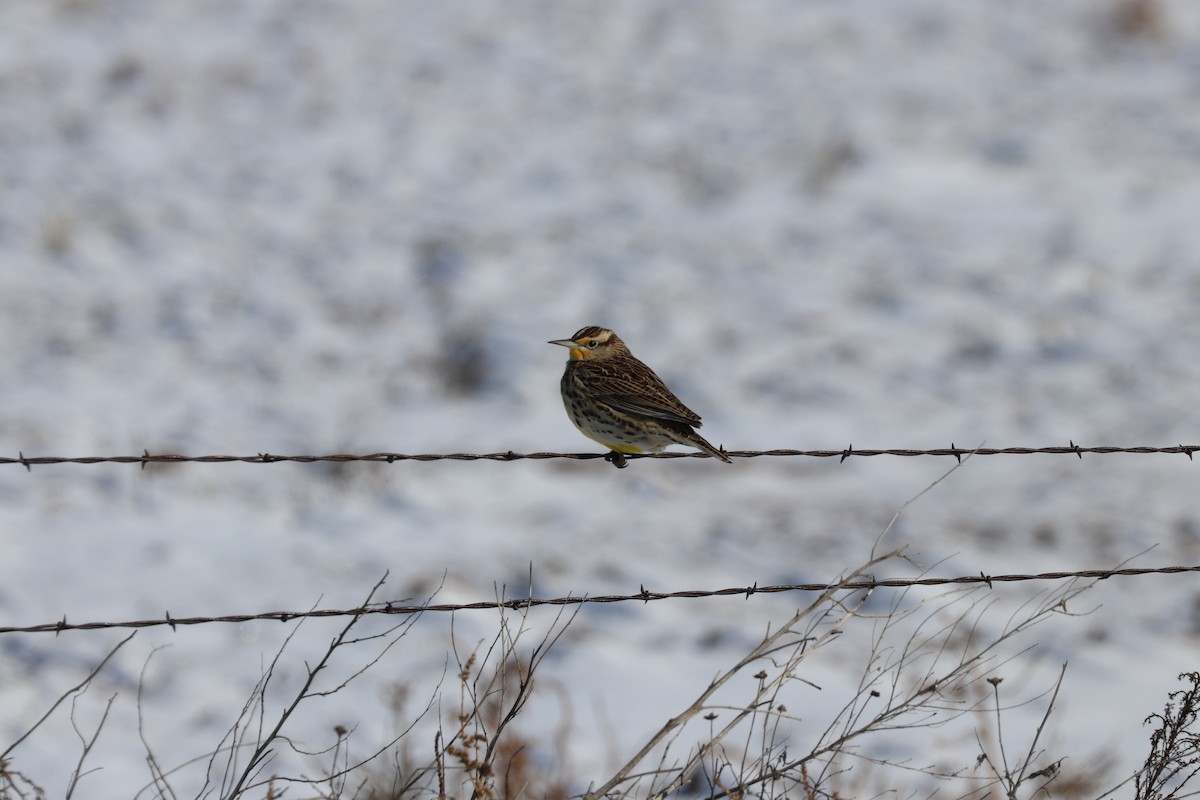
(696,440)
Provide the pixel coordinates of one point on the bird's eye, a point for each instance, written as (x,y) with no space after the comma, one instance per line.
(592,344)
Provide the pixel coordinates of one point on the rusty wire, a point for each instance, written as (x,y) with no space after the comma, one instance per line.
(952,451)
(643,596)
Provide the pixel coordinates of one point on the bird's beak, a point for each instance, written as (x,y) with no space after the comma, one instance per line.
(564,342)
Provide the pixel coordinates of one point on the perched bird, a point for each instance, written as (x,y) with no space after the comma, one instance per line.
(619,402)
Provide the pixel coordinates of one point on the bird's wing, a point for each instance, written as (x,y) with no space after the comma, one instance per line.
(637,390)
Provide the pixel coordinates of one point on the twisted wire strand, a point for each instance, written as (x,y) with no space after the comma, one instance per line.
(952,451)
(643,596)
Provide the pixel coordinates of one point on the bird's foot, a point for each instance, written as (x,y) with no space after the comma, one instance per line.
(616,459)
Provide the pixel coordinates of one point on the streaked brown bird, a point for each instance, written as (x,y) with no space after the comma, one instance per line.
(619,402)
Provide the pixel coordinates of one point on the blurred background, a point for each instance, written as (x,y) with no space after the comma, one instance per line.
(313,227)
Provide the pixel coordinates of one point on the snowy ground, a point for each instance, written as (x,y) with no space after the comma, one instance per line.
(303,227)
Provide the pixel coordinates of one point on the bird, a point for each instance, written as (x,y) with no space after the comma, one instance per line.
(616,400)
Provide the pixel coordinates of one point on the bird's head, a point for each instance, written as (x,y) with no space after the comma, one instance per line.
(593,343)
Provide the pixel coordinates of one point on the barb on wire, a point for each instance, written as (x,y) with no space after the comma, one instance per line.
(271,458)
(643,596)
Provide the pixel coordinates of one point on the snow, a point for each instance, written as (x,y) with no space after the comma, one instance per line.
(314,228)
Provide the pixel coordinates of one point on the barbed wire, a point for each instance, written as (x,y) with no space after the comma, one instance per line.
(952,451)
(644,596)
